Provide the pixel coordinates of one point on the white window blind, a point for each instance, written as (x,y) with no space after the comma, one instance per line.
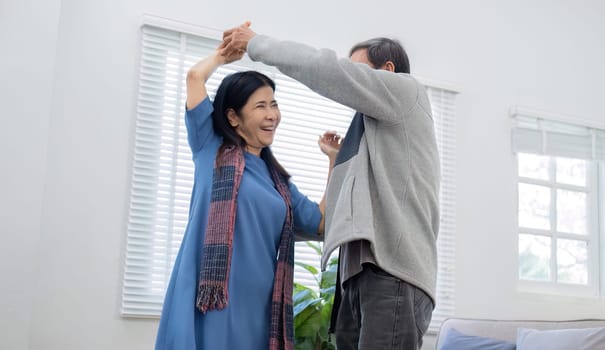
(162,171)
(532,134)
(443,109)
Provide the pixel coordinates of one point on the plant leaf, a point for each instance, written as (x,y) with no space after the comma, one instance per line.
(327,292)
(305,304)
(301,319)
(328,278)
(304,344)
(307,267)
(315,246)
(303,295)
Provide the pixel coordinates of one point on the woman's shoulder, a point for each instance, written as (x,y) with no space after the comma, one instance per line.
(200,128)
(204,108)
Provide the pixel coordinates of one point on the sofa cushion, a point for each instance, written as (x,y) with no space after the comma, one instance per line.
(507,329)
(561,339)
(455,340)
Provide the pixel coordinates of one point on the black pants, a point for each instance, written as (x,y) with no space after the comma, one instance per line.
(381,312)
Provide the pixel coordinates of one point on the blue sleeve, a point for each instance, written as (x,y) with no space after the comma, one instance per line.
(199,125)
(306,212)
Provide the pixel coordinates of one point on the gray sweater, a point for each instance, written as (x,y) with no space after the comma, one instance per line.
(385,184)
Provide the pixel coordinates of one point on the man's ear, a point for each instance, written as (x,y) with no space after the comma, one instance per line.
(389,65)
(232,117)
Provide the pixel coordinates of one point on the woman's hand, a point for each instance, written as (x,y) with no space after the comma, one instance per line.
(198,75)
(228,56)
(329,143)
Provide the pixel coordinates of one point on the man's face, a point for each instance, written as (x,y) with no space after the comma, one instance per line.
(361,56)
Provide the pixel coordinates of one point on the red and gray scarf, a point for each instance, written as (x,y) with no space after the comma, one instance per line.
(216,262)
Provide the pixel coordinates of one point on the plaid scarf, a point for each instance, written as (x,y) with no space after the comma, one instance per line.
(216,262)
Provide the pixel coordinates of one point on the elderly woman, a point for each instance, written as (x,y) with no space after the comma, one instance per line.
(231,287)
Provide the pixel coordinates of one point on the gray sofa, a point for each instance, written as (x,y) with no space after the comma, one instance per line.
(507,329)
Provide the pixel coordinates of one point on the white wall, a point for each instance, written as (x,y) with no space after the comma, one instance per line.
(66,179)
(28,34)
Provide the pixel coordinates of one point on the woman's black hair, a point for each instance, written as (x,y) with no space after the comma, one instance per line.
(233,93)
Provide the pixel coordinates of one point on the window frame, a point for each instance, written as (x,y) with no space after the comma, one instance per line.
(553,286)
(561,136)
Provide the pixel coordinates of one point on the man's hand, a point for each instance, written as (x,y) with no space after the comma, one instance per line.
(235,40)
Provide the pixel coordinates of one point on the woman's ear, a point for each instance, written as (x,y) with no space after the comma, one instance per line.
(232,117)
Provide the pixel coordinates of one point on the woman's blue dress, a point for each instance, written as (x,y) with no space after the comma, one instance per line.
(244,323)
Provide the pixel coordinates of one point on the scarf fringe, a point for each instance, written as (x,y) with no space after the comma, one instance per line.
(211,297)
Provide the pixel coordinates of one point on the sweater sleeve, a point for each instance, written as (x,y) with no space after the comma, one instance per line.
(379,94)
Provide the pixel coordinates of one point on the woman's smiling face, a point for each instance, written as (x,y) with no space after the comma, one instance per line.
(258,120)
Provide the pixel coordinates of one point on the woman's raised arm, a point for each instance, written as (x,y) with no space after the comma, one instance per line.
(201,71)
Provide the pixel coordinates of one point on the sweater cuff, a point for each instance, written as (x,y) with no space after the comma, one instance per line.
(257,44)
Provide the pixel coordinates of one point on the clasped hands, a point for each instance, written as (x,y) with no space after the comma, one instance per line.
(235,42)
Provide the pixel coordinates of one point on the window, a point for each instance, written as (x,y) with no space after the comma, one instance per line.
(560,200)
(443,110)
(162,172)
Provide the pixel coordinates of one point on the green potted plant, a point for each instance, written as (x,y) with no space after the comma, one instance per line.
(312,309)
